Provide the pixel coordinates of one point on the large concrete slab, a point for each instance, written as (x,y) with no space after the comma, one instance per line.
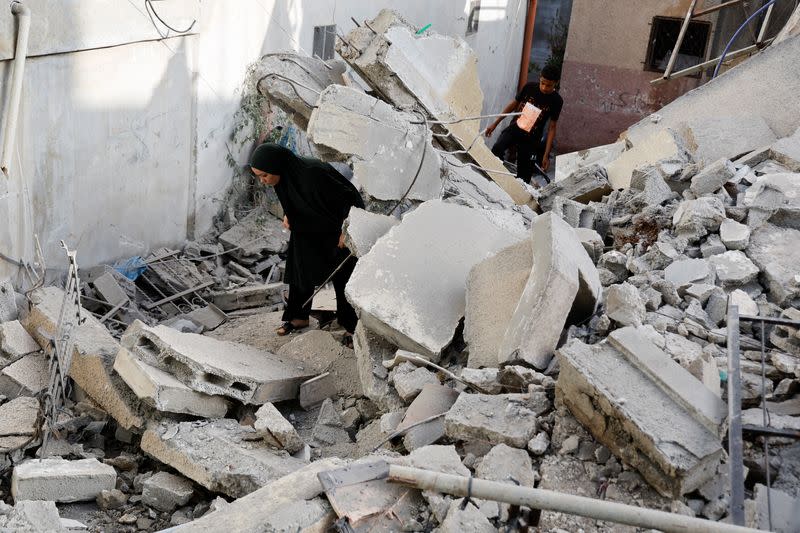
(632,416)
(310,75)
(60,480)
(697,399)
(662,145)
(217,367)
(25,377)
(383,144)
(163,391)
(406,70)
(220,454)
(564,283)
(92,358)
(568,163)
(411,287)
(362,230)
(494,288)
(19,424)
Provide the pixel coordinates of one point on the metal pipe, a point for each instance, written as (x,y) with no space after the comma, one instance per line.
(735,458)
(527,44)
(685,26)
(555,501)
(23,15)
(710,63)
(765,25)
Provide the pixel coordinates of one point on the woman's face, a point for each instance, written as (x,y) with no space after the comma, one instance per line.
(265,177)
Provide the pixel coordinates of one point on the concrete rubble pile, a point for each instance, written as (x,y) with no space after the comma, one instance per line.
(579,348)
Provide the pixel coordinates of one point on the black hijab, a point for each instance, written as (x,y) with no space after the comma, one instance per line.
(313,194)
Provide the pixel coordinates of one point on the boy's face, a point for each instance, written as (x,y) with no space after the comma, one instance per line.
(547,86)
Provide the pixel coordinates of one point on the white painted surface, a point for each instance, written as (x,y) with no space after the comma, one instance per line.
(123,139)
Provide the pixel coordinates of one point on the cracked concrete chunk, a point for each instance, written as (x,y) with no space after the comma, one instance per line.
(733,269)
(371,351)
(310,74)
(362,229)
(163,391)
(60,480)
(25,377)
(409,384)
(686,272)
(8,302)
(564,283)
(776,252)
(434,400)
(216,367)
(776,198)
(494,287)
(787,151)
(568,163)
(497,419)
(165,491)
(18,423)
(92,358)
(584,185)
(385,146)
(218,454)
(696,218)
(467,520)
(712,177)
(635,419)
(15,341)
(255,234)
(624,305)
(735,236)
(663,145)
(417,305)
(507,465)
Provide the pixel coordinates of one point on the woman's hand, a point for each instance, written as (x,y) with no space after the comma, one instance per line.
(286,222)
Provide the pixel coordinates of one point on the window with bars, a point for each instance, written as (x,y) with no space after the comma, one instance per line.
(324,40)
(474,17)
(663,37)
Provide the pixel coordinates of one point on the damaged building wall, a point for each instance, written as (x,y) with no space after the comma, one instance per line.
(123,142)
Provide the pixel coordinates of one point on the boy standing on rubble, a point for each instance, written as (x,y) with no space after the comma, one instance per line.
(527,139)
(316,199)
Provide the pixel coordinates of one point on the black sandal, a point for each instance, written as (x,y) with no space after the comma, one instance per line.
(287,327)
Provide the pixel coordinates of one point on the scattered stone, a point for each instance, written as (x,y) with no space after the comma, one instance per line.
(15,341)
(602,454)
(734,235)
(734,269)
(216,367)
(60,480)
(270,423)
(712,177)
(570,445)
(503,418)
(410,384)
(415,305)
(696,218)
(539,444)
(111,499)
(220,455)
(163,391)
(165,491)
(624,305)
(362,230)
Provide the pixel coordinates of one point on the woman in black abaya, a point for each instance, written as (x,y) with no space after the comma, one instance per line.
(316,200)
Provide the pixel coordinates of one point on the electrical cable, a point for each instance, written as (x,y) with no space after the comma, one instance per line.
(148,5)
(736,34)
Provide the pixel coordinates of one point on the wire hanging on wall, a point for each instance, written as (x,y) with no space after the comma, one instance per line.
(151,12)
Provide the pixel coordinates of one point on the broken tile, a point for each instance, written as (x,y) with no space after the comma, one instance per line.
(60,480)
(220,455)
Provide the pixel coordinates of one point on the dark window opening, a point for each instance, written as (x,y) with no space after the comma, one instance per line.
(474,17)
(663,37)
(324,40)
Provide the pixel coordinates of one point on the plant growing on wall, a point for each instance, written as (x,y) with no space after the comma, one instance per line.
(557,40)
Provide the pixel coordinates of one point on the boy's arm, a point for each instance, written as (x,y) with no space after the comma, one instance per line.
(507,109)
(551,134)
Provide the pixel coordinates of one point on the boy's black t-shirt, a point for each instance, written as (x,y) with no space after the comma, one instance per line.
(550,104)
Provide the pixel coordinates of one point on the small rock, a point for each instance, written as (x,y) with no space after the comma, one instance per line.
(111,499)
(624,305)
(602,455)
(570,445)
(144,523)
(127,518)
(735,236)
(538,445)
(586,451)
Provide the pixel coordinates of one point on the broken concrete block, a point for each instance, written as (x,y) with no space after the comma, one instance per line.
(415,305)
(776,198)
(109,289)
(611,397)
(15,341)
(165,491)
(384,144)
(564,282)
(316,390)
(711,139)
(484,378)
(504,418)
(494,287)
(649,180)
(220,455)
(787,152)
(258,295)
(778,512)
(663,145)
(584,185)
(162,391)
(329,429)
(776,252)
(60,480)
(696,218)
(735,236)
(405,68)
(733,269)
(362,229)
(19,423)
(434,399)
(785,337)
(467,520)
(409,384)
(507,465)
(712,177)
(255,234)
(685,272)
(444,459)
(685,389)
(466,185)
(624,305)
(216,367)
(92,358)
(744,302)
(34,516)
(539,444)
(8,302)
(270,422)
(371,350)
(310,76)
(568,163)
(697,362)
(26,377)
